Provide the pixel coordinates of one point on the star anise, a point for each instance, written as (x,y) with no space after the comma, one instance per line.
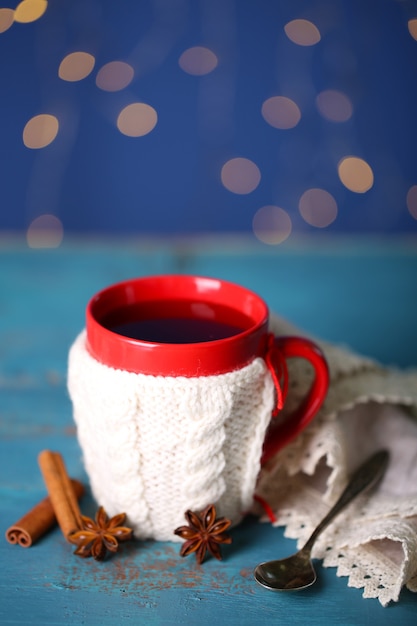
(204,532)
(96,537)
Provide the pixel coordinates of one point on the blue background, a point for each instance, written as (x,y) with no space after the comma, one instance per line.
(97,180)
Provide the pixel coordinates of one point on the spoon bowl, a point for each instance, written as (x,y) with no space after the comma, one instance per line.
(291,574)
(297,571)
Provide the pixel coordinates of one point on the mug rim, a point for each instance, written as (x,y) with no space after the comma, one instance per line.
(176,359)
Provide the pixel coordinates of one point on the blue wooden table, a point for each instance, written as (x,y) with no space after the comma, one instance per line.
(362,294)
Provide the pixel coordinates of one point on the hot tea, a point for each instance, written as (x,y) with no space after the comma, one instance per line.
(176,321)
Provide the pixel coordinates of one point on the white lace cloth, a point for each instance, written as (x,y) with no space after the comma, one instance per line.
(368,407)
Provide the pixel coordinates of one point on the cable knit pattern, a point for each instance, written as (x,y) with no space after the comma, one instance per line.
(156,446)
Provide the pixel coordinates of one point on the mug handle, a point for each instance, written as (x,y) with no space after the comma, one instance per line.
(279,435)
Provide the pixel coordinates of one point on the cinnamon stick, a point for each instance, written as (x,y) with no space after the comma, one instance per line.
(61,491)
(37,521)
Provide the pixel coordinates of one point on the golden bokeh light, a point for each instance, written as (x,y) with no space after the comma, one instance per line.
(240,175)
(40,131)
(302,32)
(137,119)
(412,28)
(334,105)
(281,112)
(30,10)
(46,231)
(76,66)
(356,174)
(271,225)
(198,61)
(318,207)
(114,76)
(412,201)
(6,19)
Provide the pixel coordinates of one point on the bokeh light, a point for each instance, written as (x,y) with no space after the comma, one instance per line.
(137,119)
(412,201)
(114,76)
(40,131)
(281,112)
(302,32)
(6,19)
(295,98)
(356,174)
(318,207)
(412,28)
(76,66)
(30,10)
(240,175)
(271,225)
(198,61)
(334,105)
(46,231)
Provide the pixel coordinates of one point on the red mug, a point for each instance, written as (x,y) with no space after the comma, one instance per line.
(193,326)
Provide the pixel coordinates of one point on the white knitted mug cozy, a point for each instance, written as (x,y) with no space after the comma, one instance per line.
(155,446)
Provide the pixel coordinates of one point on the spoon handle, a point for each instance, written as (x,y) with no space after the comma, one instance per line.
(367,474)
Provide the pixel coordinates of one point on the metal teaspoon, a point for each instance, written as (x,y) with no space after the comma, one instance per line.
(297,571)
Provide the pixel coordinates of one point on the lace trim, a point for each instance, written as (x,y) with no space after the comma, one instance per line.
(367,407)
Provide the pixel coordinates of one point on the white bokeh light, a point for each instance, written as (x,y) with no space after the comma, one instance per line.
(76,66)
(198,61)
(46,231)
(6,19)
(302,32)
(40,131)
(240,175)
(318,207)
(114,76)
(137,119)
(271,225)
(281,112)
(334,105)
(412,201)
(356,174)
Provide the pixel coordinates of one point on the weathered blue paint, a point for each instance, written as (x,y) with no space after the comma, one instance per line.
(364,295)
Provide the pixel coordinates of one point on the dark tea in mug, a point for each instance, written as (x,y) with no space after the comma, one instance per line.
(176,321)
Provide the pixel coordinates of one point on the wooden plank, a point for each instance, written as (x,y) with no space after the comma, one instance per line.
(363,296)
